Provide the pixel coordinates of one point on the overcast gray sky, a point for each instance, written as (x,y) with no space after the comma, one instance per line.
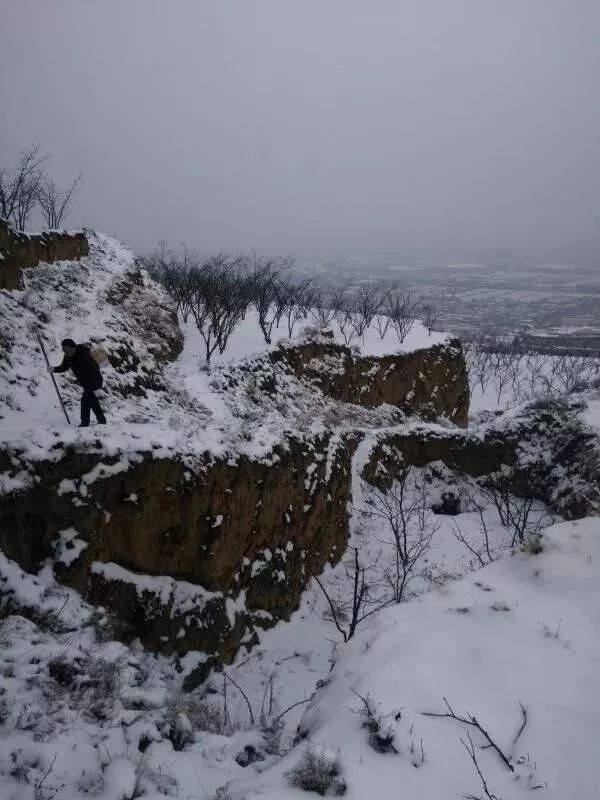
(316,126)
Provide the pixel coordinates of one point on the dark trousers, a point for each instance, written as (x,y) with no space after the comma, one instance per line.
(89,402)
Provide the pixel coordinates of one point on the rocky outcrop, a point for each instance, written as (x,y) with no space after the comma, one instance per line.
(431,382)
(20,251)
(186,556)
(550,454)
(460,451)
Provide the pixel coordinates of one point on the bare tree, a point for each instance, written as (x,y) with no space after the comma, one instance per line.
(505,370)
(269,295)
(20,188)
(431,317)
(366,305)
(404,509)
(323,310)
(344,314)
(364,600)
(218,302)
(402,311)
(55,203)
(514,511)
(482,551)
(178,274)
(296,300)
(383,320)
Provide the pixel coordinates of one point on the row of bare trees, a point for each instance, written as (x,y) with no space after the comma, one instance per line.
(516,376)
(216,292)
(26,187)
(391,309)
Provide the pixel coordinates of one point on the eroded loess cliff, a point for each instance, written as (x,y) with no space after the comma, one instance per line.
(430,382)
(186,557)
(20,251)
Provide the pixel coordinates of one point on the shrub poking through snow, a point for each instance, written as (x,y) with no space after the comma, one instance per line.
(203,713)
(381,737)
(365,600)
(249,755)
(318,772)
(180,732)
(533,544)
(222,793)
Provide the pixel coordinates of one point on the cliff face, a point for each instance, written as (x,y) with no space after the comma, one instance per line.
(430,382)
(19,251)
(227,542)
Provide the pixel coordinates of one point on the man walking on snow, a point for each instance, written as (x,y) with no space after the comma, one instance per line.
(87,373)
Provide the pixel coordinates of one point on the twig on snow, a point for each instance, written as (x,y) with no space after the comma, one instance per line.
(523,724)
(244,695)
(470,748)
(471,720)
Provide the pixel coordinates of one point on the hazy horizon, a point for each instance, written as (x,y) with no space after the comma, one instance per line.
(425,129)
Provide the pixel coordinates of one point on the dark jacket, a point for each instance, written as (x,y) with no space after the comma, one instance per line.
(86,370)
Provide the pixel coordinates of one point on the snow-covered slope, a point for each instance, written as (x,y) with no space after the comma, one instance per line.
(523,633)
(84,716)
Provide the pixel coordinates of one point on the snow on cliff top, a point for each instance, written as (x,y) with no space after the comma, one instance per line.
(190,411)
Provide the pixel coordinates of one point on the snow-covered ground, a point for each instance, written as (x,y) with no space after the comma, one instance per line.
(92,716)
(521,632)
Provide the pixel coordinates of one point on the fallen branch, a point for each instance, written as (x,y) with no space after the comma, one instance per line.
(244,695)
(523,724)
(280,716)
(471,720)
(470,748)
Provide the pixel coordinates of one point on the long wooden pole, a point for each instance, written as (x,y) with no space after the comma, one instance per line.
(62,405)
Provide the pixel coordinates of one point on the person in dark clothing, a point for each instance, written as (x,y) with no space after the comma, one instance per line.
(87,373)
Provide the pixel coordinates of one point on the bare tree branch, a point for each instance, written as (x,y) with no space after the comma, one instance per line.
(244,695)
(522,726)
(470,748)
(471,720)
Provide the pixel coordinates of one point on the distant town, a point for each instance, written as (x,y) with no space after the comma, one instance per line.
(550,308)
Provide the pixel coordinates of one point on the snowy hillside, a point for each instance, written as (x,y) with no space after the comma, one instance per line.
(515,645)
(85,716)
(154,398)
(474,596)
